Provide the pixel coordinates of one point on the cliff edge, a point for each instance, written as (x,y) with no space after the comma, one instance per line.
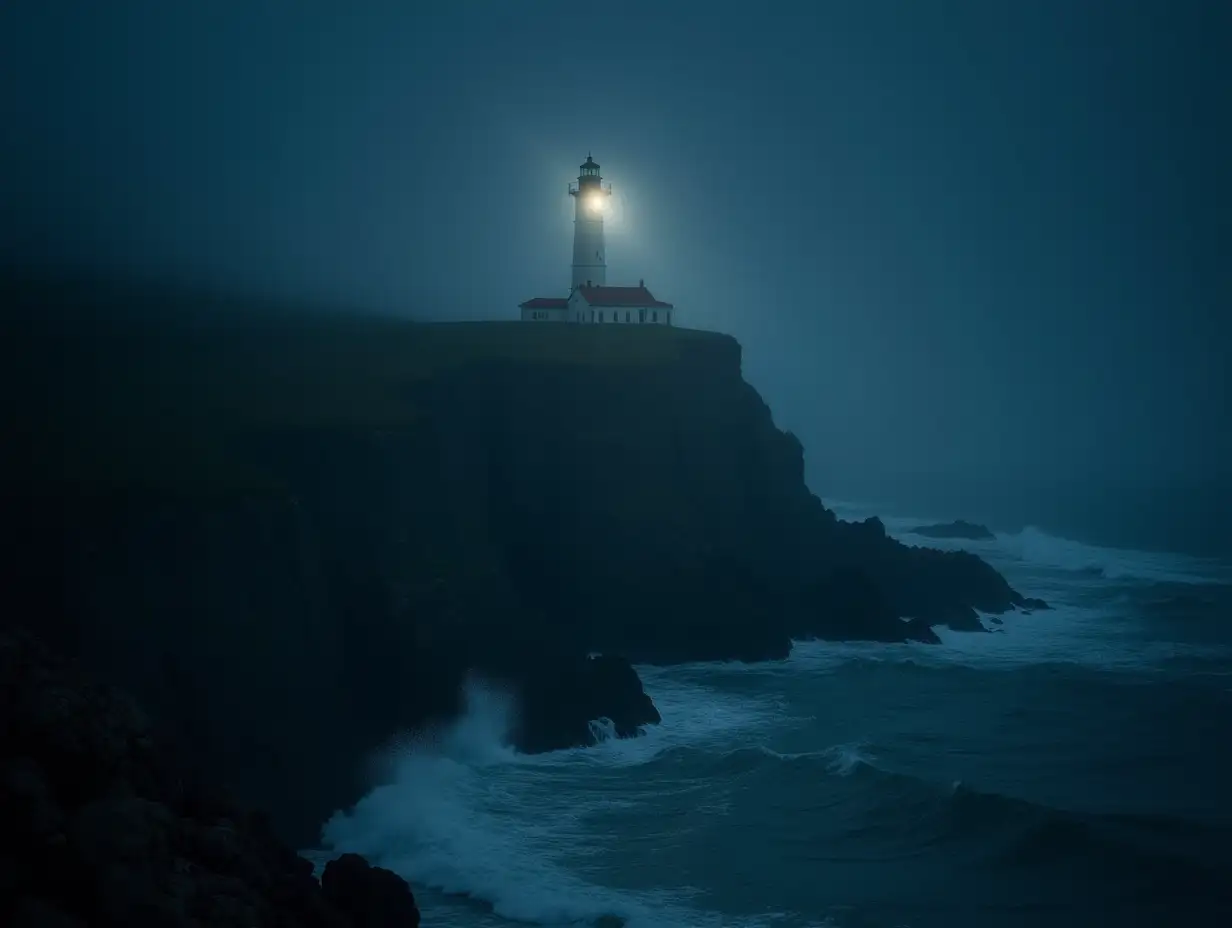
(295,533)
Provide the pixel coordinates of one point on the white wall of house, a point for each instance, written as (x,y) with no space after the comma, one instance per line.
(581,311)
(578,310)
(545,315)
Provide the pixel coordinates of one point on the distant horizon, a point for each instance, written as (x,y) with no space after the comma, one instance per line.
(1183,518)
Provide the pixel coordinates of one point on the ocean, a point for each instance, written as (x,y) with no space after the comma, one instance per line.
(1072,768)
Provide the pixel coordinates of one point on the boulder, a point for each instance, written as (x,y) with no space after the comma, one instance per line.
(1029,603)
(372,897)
(559,706)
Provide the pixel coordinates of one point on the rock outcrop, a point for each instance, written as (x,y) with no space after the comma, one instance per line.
(959,528)
(102,827)
(372,897)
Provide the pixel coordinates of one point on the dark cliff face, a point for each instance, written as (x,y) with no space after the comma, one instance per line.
(659,513)
(346,519)
(612,497)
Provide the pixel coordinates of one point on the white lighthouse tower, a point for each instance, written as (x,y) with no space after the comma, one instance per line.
(590,199)
(590,299)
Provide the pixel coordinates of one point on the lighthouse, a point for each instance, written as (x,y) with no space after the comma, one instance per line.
(590,299)
(590,200)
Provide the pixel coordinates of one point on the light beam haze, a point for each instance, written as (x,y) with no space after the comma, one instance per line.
(971,240)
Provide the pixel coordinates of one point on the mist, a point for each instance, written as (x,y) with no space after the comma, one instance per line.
(964,245)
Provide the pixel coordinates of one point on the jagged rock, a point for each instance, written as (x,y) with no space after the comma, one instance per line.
(847,605)
(559,704)
(964,619)
(922,631)
(959,528)
(372,897)
(107,833)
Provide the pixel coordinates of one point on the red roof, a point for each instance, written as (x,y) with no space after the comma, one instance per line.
(637,297)
(545,302)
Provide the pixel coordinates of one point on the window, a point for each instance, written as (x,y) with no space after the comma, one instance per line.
(641,315)
(654,316)
(592,315)
(626,315)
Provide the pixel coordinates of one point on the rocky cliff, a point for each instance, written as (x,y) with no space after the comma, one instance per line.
(103,825)
(294,534)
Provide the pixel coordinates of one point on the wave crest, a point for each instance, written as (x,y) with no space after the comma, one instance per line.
(462,813)
(1036,547)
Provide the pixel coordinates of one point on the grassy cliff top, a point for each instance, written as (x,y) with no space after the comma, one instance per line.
(120,388)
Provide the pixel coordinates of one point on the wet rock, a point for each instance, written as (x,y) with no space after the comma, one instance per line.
(372,897)
(964,619)
(959,528)
(111,835)
(850,604)
(922,631)
(560,703)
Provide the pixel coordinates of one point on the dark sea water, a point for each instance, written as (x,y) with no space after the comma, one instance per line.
(1073,768)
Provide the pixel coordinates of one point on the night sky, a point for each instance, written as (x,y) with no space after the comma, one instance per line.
(956,237)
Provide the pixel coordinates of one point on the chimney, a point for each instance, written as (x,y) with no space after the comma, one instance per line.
(641,282)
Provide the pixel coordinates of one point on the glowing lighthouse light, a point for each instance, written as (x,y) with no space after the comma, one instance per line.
(590,299)
(589,250)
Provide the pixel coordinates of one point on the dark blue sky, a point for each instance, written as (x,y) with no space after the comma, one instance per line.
(962,236)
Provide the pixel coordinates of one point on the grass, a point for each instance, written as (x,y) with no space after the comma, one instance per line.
(115,389)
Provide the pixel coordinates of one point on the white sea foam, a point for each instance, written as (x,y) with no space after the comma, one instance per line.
(463,814)
(842,759)
(1107,638)
(1033,548)
(845,758)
